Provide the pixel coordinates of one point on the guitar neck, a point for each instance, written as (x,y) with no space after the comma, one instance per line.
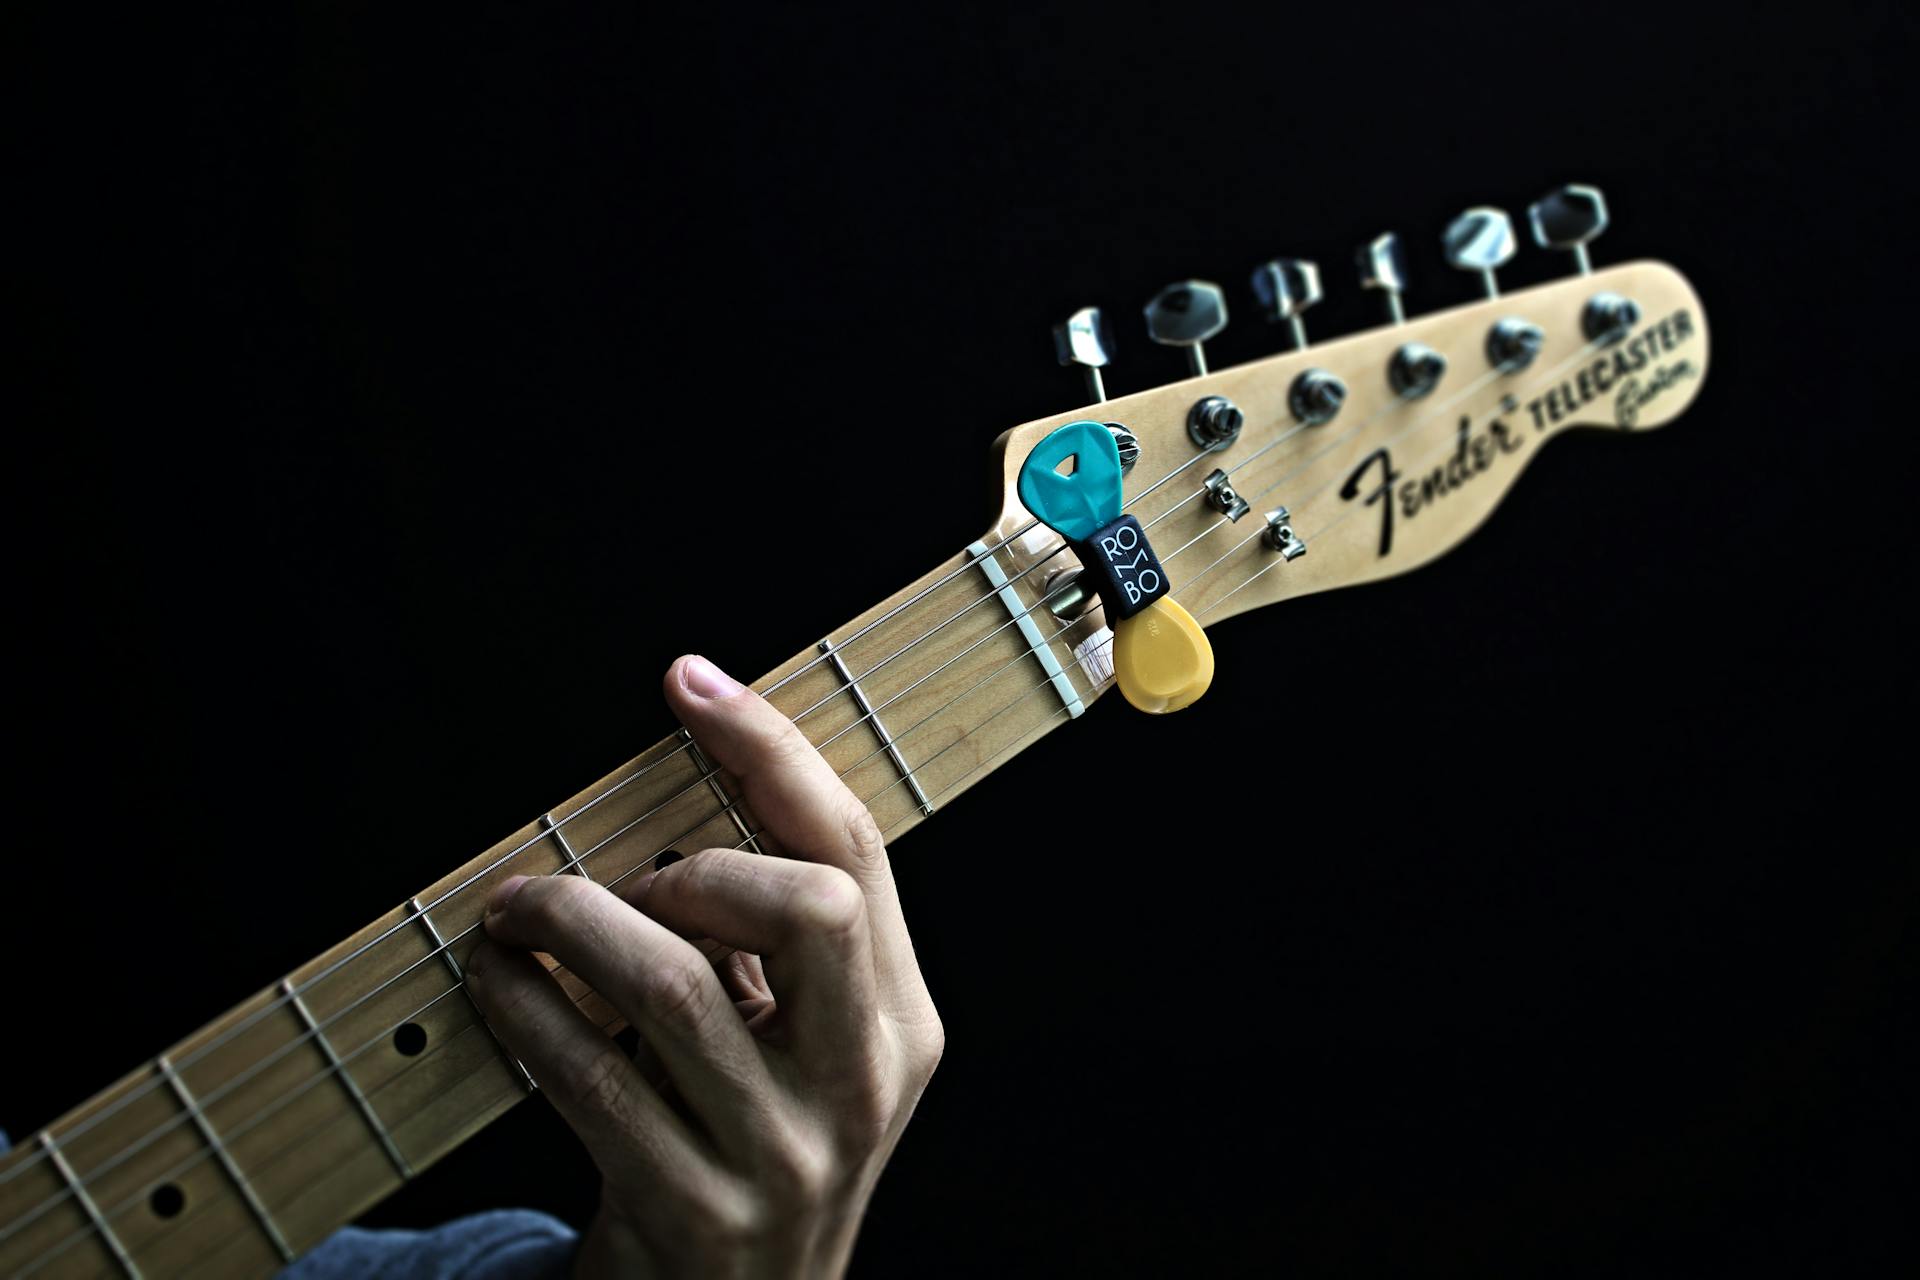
(252,1139)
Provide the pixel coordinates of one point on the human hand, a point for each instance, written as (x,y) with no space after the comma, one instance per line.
(792,1071)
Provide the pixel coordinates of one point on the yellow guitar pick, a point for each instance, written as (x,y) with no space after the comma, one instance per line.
(1161,658)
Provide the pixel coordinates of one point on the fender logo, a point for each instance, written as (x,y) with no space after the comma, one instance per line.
(1618,372)
(1620,368)
(1472,455)
(1626,405)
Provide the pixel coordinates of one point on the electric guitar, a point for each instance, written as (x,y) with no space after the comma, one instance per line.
(256,1136)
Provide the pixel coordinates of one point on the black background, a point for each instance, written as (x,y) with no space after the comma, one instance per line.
(396,394)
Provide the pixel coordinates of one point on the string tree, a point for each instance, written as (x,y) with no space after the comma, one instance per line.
(1224,498)
(1415,368)
(1186,315)
(1085,339)
(1566,219)
(1279,535)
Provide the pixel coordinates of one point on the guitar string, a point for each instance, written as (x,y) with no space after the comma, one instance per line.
(612,789)
(673,751)
(841,646)
(253,1070)
(1238,466)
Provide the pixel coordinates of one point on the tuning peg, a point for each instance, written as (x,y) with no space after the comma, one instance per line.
(1186,315)
(1567,218)
(1414,368)
(1286,287)
(1084,338)
(1481,239)
(1383,266)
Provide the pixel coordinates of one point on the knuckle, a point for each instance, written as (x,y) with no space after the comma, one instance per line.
(864,840)
(800,1171)
(933,1045)
(680,992)
(728,1218)
(827,901)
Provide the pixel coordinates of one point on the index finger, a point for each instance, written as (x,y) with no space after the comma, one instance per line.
(799,798)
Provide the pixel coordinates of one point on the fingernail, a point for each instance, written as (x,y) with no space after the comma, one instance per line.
(498,899)
(477,959)
(702,678)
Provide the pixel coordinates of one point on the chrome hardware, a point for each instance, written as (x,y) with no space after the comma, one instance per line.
(1214,422)
(1280,536)
(1286,287)
(1085,339)
(1481,239)
(1415,369)
(1513,343)
(1075,597)
(851,687)
(1127,443)
(1222,497)
(1609,317)
(1186,315)
(1567,218)
(1316,396)
(1383,266)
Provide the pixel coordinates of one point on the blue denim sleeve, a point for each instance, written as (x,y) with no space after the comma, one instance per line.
(506,1244)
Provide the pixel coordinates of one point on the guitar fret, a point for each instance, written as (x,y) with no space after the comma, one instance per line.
(220,1153)
(1029,629)
(852,686)
(460,977)
(712,777)
(292,995)
(93,1213)
(573,862)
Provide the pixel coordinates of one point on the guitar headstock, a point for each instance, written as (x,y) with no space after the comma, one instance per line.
(1368,455)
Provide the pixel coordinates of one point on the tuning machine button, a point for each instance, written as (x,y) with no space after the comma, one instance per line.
(1481,239)
(1415,368)
(1383,266)
(1286,287)
(1085,339)
(1186,315)
(1568,217)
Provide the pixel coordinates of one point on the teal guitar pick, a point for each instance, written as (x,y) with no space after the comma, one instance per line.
(1076,506)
